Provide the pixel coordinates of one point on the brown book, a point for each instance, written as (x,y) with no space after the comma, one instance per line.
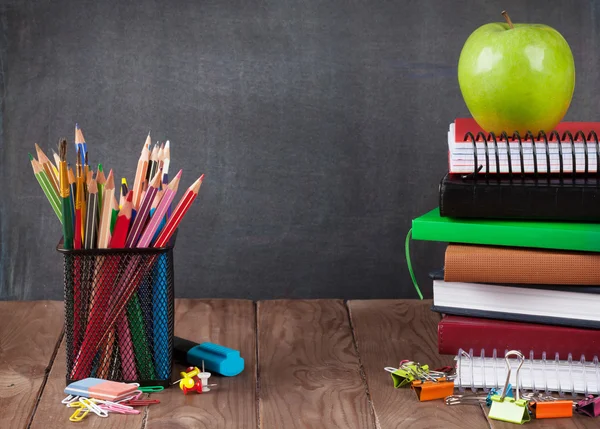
(514,265)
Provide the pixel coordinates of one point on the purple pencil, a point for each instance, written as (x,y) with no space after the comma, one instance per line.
(165,203)
(144,211)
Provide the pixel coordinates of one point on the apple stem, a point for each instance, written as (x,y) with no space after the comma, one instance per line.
(505,15)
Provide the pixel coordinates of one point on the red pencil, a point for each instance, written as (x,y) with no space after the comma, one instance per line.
(184,204)
(119,235)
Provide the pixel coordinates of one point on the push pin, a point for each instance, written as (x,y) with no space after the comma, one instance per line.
(194,380)
(204,376)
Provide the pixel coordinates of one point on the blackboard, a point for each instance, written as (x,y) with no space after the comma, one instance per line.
(320,125)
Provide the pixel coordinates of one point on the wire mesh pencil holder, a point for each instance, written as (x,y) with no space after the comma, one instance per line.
(119,314)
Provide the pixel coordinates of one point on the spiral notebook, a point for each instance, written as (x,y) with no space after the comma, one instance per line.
(472,150)
(485,369)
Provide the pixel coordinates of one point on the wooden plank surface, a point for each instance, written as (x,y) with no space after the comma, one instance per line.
(388,331)
(29,334)
(230,404)
(309,373)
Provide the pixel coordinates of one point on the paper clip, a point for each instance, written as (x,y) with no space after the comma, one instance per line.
(91,405)
(590,406)
(548,407)
(113,407)
(79,414)
(151,389)
(141,402)
(429,390)
(69,399)
(512,410)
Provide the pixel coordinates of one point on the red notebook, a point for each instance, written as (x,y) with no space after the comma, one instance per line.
(461,159)
(455,332)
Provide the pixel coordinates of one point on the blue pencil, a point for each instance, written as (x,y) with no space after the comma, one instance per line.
(160,307)
(80,143)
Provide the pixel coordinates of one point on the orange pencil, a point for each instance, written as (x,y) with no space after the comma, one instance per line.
(48,167)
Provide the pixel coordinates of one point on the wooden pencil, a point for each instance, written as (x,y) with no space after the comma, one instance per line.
(182,207)
(45,162)
(80,144)
(166,162)
(65,196)
(160,212)
(140,174)
(101,181)
(79,198)
(42,178)
(121,229)
(114,213)
(144,211)
(91,227)
(107,199)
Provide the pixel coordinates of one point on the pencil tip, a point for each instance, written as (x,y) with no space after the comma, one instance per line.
(129,196)
(30,156)
(178,175)
(202,177)
(100,168)
(76,126)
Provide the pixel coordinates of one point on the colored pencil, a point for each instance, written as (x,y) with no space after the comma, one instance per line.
(101,180)
(114,214)
(51,195)
(48,167)
(153,165)
(73,188)
(166,161)
(80,144)
(143,355)
(65,196)
(161,210)
(119,235)
(124,191)
(91,227)
(144,211)
(105,216)
(182,207)
(78,232)
(140,174)
(56,162)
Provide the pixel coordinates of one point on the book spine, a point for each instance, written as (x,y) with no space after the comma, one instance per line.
(508,265)
(455,333)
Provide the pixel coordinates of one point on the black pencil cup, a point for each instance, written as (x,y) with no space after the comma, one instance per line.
(119,311)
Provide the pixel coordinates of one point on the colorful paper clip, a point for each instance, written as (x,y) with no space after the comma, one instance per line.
(589,406)
(512,410)
(548,407)
(432,389)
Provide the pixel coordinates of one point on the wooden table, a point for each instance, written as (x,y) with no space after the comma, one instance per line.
(309,364)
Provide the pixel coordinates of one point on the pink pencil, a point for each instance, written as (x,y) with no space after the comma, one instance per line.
(160,212)
(144,211)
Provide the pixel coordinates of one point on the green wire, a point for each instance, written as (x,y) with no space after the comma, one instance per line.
(410,270)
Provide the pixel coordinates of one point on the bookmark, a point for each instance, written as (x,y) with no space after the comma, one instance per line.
(512,410)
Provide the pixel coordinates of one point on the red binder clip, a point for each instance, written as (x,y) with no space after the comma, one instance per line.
(589,406)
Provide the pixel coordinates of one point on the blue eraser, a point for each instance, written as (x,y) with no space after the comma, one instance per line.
(218,359)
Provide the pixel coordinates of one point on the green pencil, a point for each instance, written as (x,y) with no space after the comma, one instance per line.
(42,179)
(114,214)
(100,181)
(65,196)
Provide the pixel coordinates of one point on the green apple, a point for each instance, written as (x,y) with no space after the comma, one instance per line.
(516,77)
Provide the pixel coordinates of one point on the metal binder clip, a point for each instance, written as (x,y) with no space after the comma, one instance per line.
(548,407)
(512,410)
(475,399)
(590,406)
(406,373)
(428,390)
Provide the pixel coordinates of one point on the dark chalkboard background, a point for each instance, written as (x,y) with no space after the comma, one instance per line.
(320,126)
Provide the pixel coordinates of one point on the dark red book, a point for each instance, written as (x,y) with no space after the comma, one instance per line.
(455,332)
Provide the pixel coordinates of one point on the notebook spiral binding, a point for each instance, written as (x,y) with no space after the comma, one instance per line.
(537,375)
(592,137)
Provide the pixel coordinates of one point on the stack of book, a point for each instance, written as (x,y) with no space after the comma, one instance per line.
(521,216)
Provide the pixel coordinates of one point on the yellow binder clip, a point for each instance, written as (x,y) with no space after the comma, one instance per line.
(512,410)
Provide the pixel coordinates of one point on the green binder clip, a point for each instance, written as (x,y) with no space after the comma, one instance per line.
(407,373)
(512,410)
